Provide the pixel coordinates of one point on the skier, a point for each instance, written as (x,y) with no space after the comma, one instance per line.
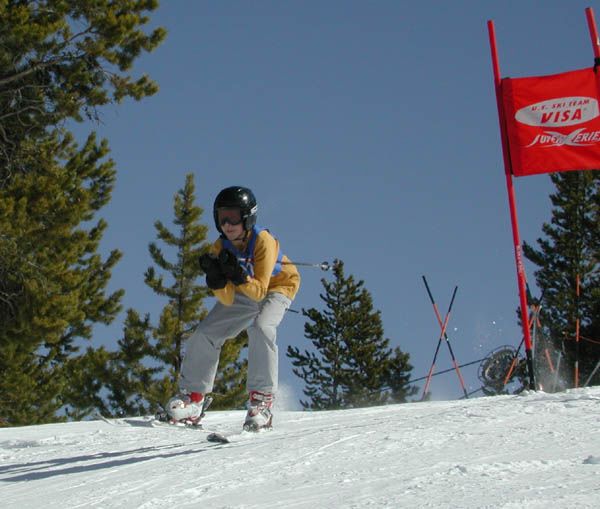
(254,285)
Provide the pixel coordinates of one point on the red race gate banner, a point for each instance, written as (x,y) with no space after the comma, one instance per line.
(552,122)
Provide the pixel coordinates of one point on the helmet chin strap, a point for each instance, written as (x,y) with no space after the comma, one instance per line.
(242,237)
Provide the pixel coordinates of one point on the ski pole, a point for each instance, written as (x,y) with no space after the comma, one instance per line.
(513,363)
(430,373)
(444,335)
(557,372)
(592,374)
(385,388)
(443,326)
(549,360)
(325,266)
(472,392)
(458,373)
(446,371)
(533,319)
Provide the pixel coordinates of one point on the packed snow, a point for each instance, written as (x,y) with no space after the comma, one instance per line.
(533,450)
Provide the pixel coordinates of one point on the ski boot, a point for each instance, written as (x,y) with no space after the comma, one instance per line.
(186,408)
(259,414)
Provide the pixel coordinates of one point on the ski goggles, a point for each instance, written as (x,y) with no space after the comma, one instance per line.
(231,216)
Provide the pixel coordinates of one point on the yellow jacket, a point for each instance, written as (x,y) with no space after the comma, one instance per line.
(266,251)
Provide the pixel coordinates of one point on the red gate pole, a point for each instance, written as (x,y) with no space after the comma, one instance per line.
(513,209)
(589,13)
(591,21)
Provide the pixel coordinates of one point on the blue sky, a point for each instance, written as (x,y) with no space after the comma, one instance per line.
(368,132)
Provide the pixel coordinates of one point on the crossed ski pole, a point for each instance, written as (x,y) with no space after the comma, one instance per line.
(443,326)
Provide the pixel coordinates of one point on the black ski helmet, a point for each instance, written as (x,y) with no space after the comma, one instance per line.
(237,197)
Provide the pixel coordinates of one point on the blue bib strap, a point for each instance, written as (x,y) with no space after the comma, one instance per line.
(246,258)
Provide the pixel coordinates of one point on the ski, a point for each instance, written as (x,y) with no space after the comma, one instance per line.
(213,436)
(146,422)
(161,419)
(218,438)
(155,423)
(222,438)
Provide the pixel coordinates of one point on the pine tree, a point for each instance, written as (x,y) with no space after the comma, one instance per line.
(63,60)
(116,383)
(570,252)
(351,364)
(131,375)
(29,387)
(87,376)
(58,61)
(53,281)
(184,310)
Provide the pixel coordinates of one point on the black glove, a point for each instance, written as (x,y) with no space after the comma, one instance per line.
(231,267)
(215,279)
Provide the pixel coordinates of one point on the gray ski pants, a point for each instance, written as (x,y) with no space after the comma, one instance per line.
(260,319)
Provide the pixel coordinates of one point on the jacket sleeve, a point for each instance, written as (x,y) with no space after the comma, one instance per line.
(266,251)
(225,295)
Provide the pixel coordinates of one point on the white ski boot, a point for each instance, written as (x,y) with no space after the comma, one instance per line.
(259,414)
(187,408)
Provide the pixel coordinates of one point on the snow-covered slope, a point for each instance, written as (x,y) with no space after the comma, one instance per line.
(528,451)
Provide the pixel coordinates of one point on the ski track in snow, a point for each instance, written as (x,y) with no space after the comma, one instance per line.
(530,451)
